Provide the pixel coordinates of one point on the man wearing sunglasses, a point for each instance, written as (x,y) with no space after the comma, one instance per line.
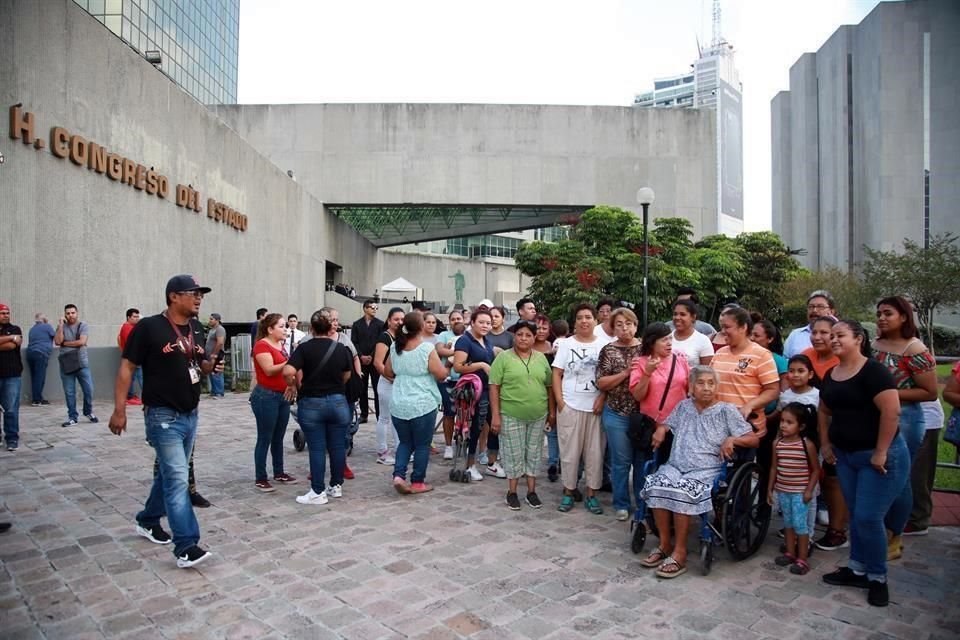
(364,334)
(170,348)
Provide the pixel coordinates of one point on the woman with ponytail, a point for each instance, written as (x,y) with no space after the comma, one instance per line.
(415,368)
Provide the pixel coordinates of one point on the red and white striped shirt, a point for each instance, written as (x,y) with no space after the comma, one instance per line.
(793,469)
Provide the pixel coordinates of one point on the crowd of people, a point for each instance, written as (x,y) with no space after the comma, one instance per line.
(836,419)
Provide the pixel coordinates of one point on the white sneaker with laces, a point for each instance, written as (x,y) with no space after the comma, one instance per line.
(448,453)
(336,491)
(475,475)
(496,470)
(312,497)
(385,458)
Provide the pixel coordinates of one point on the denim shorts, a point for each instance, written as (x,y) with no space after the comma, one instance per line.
(794,512)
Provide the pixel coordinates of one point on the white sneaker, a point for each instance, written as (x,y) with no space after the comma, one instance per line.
(475,475)
(622,515)
(823,517)
(448,453)
(496,470)
(385,458)
(336,491)
(311,497)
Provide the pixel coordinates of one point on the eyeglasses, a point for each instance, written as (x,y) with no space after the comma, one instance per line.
(196,294)
(373,306)
(817,307)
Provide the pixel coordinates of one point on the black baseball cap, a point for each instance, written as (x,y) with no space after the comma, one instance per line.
(185,282)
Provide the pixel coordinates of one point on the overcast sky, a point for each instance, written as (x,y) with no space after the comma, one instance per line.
(599,52)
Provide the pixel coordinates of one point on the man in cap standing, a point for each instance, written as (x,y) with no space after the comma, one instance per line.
(170,349)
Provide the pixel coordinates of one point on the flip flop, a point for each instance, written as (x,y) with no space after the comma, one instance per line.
(670,562)
(655,559)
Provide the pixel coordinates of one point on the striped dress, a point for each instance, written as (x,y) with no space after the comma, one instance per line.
(793,469)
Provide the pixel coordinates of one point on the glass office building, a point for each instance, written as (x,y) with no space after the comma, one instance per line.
(198,40)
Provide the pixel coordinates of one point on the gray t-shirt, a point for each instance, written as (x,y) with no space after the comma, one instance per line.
(212,335)
(73,332)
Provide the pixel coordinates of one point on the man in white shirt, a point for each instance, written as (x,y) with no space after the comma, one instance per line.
(294,335)
(819,303)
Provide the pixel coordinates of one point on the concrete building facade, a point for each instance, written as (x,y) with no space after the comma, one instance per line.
(114,179)
(866,143)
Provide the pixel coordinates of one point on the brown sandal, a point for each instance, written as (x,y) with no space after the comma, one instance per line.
(662,572)
(655,559)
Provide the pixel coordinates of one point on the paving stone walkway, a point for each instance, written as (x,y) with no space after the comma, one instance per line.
(453,563)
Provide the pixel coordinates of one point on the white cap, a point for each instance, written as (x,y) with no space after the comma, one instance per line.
(486,302)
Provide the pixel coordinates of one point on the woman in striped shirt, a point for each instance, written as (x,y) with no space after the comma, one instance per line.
(796,471)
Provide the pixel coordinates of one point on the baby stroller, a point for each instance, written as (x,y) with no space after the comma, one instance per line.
(465,396)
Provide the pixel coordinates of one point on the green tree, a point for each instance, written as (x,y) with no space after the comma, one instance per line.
(769,263)
(930,276)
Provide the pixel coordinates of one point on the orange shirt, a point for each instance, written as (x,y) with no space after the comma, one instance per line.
(821,367)
(743,376)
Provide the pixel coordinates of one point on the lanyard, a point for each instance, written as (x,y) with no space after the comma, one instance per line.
(183,341)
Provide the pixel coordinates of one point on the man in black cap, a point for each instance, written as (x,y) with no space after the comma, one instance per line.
(170,349)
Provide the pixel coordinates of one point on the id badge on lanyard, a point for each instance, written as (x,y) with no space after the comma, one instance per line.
(186,345)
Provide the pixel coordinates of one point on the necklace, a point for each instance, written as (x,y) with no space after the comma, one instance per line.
(525,363)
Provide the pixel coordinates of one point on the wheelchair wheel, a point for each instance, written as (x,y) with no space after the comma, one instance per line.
(638,538)
(706,556)
(298,440)
(745,519)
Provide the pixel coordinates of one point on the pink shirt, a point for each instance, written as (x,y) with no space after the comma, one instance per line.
(650,405)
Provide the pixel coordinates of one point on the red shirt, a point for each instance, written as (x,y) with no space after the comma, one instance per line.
(274,382)
(125,330)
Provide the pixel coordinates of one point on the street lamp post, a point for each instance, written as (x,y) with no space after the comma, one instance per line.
(645,198)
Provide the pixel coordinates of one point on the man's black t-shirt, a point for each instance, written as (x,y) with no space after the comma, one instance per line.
(319,382)
(155,346)
(11,366)
(855,424)
(364,335)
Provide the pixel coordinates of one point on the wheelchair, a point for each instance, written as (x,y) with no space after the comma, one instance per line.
(739,519)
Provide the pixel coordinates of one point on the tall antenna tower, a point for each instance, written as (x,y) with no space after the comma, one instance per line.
(717,38)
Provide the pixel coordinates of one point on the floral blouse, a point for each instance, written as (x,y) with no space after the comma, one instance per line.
(616,359)
(904,367)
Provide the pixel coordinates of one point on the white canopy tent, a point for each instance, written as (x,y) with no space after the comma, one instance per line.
(401,285)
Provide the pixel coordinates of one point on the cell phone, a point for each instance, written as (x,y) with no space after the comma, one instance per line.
(220,357)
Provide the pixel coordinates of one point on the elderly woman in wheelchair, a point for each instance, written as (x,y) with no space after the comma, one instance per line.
(705,433)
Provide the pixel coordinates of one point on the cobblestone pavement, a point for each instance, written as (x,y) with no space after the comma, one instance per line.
(447,564)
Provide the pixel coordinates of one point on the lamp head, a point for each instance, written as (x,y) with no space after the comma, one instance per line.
(645,195)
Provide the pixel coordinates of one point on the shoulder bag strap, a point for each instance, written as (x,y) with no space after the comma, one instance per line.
(327,355)
(666,389)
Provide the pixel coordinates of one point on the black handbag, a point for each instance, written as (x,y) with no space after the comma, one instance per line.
(641,426)
(70,360)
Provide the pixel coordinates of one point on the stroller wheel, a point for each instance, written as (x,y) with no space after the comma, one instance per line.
(464,477)
(638,538)
(298,440)
(453,476)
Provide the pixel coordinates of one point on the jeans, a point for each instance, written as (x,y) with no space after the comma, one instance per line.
(37,362)
(171,434)
(912,429)
(623,455)
(69,381)
(10,401)
(136,382)
(476,425)
(553,447)
(414,435)
(868,495)
(272,413)
(216,384)
(324,422)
